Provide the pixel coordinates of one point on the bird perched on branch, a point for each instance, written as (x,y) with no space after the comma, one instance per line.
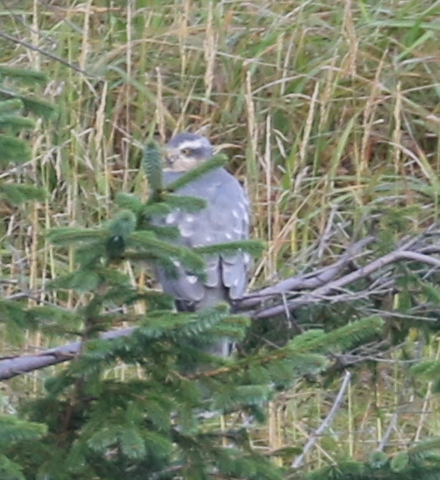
(224,219)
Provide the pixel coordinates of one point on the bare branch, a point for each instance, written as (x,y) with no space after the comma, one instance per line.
(326,285)
(330,291)
(324,425)
(12,366)
(307,281)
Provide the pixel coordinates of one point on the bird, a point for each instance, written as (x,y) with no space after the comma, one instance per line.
(225,218)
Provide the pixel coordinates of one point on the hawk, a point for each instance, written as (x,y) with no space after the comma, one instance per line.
(224,219)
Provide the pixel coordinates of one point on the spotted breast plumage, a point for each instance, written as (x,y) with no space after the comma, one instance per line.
(224,219)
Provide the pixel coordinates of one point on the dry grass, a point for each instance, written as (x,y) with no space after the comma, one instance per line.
(328,110)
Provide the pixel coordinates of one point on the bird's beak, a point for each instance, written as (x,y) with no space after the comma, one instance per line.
(170,157)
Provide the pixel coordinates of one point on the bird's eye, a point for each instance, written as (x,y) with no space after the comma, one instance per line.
(186,151)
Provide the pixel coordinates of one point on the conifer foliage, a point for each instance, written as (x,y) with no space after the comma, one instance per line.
(14,108)
(176,412)
(420,461)
(161,421)
(15,118)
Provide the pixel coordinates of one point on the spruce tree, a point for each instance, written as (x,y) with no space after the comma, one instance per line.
(165,418)
(16,117)
(162,421)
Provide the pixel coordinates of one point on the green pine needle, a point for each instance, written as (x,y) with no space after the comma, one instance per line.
(123,224)
(13,429)
(213,163)
(11,106)
(184,202)
(16,122)
(13,150)
(30,76)
(254,247)
(68,235)
(154,209)
(18,194)
(153,167)
(128,201)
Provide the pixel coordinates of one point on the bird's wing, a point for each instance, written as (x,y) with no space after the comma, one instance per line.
(225,219)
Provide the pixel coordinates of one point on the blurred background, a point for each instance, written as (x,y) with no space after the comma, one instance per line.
(329,113)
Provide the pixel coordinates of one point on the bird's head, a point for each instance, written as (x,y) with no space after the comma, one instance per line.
(187,150)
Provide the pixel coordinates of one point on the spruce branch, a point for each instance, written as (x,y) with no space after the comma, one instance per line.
(153,168)
(187,202)
(324,285)
(254,247)
(216,161)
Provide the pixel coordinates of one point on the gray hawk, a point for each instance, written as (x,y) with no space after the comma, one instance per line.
(224,219)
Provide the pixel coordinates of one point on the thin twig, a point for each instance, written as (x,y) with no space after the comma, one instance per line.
(323,287)
(332,287)
(307,281)
(324,425)
(28,45)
